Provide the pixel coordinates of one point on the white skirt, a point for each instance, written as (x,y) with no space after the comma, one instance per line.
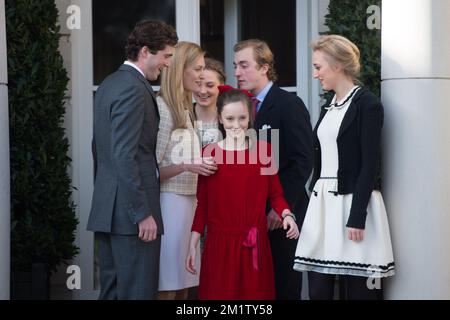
(324,246)
(177,214)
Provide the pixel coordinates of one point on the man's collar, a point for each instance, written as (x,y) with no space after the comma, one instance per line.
(131,64)
(262,95)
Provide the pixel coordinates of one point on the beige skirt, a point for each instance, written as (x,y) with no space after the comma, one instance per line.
(178,214)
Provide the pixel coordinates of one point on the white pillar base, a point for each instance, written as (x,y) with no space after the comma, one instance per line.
(416,169)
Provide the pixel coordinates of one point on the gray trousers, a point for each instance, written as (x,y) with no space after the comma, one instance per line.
(129,267)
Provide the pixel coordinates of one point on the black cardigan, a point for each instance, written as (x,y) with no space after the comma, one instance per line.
(359,153)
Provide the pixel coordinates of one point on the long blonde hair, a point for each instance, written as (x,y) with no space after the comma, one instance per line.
(172,90)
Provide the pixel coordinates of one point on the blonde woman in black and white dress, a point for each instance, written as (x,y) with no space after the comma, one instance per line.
(346,230)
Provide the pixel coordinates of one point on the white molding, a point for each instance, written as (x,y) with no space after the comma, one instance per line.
(231,31)
(307,30)
(81,137)
(315,88)
(303,51)
(188,20)
(3,60)
(5,209)
(5,213)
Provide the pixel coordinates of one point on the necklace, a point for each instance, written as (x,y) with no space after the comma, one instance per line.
(337,105)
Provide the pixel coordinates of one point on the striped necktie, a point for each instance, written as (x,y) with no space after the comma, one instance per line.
(255,102)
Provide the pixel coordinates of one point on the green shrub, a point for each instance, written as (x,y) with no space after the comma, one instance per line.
(348,18)
(43,221)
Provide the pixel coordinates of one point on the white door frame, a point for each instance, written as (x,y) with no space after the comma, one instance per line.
(187,13)
(5,209)
(81,138)
(307,30)
(231,32)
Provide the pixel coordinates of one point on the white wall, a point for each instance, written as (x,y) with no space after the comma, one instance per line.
(416,146)
(4,165)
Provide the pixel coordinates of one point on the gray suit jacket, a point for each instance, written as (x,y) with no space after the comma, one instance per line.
(126,123)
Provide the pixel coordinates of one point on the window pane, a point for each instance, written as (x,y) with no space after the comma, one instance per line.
(113,20)
(274,23)
(212,27)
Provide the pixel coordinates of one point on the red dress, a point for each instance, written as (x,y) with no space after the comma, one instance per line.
(237,261)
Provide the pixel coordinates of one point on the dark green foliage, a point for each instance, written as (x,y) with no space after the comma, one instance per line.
(43,221)
(348,18)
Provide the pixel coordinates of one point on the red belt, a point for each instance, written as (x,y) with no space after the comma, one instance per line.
(251,239)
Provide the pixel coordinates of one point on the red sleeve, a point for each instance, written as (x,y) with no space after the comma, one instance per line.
(198,225)
(276,195)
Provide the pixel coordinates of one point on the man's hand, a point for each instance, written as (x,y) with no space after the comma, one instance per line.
(274,222)
(148,229)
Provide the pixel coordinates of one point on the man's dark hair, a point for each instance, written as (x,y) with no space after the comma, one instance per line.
(155,35)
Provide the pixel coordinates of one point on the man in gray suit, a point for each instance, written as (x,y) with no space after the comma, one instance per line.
(126,214)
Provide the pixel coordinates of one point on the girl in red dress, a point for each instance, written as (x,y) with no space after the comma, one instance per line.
(237,261)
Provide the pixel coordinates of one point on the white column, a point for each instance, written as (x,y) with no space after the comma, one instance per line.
(80,138)
(304,21)
(231,28)
(188,20)
(309,19)
(4,164)
(416,145)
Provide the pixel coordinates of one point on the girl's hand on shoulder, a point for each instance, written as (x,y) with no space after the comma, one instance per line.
(356,235)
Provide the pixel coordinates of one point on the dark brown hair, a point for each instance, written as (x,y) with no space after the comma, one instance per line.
(233,96)
(155,35)
(216,66)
